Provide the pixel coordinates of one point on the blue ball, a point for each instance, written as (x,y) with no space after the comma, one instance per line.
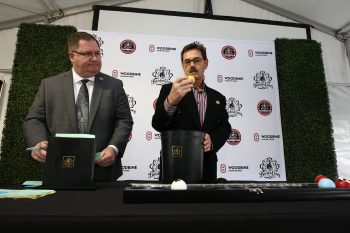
(326,183)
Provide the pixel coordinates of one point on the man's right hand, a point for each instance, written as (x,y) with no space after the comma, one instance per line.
(40,153)
(181,86)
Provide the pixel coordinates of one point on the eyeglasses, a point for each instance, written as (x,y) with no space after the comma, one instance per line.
(90,55)
(196,61)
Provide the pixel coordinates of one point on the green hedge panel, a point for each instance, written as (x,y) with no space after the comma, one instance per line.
(305,111)
(41,51)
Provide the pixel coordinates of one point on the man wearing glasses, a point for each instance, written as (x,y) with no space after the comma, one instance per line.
(82,100)
(192,105)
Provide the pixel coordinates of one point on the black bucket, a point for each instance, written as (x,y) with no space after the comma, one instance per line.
(182,156)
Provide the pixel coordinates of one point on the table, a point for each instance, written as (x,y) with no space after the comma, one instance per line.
(104,210)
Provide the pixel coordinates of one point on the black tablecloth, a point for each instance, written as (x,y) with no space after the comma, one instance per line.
(104,210)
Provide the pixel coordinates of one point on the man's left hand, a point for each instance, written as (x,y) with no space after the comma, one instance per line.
(107,158)
(207,144)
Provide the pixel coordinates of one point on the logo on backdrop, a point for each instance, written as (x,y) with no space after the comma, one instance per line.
(132,103)
(262,53)
(154,166)
(233,107)
(99,39)
(161,76)
(148,135)
(115,73)
(128,168)
(266,137)
(152,48)
(165,49)
(269,168)
(228,52)
(232,168)
(222,168)
(127,46)
(262,80)
(234,138)
(127,74)
(250,53)
(157,136)
(233,79)
(264,107)
(256,137)
(220,78)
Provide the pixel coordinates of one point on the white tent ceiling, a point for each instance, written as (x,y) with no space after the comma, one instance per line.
(328,16)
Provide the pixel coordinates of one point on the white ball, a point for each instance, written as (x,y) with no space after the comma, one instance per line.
(178,185)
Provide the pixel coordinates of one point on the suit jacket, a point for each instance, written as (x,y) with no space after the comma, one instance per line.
(186,117)
(53,111)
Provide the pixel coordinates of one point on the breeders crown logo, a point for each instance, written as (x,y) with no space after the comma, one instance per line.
(161,76)
(262,80)
(234,138)
(264,107)
(269,168)
(228,52)
(127,46)
(99,40)
(132,103)
(154,166)
(233,107)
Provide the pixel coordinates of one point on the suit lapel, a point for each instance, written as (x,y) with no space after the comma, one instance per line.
(68,90)
(212,103)
(96,98)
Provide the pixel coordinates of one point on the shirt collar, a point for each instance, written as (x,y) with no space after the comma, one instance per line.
(200,89)
(77,77)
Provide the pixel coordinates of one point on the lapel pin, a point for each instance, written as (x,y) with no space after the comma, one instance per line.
(217,102)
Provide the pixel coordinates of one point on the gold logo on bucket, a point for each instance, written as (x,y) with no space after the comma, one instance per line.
(68,161)
(176,151)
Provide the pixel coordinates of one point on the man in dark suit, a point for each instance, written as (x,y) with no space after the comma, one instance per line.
(54,108)
(192,105)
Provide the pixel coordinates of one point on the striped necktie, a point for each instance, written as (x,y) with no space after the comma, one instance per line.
(82,107)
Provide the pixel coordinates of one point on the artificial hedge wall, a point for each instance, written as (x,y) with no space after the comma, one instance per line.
(41,51)
(306,122)
(305,111)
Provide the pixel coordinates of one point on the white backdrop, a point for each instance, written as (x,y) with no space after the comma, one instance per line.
(244,71)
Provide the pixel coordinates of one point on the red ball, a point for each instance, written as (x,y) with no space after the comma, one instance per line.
(319,177)
(342,183)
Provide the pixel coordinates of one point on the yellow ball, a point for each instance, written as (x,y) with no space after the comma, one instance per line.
(190,77)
